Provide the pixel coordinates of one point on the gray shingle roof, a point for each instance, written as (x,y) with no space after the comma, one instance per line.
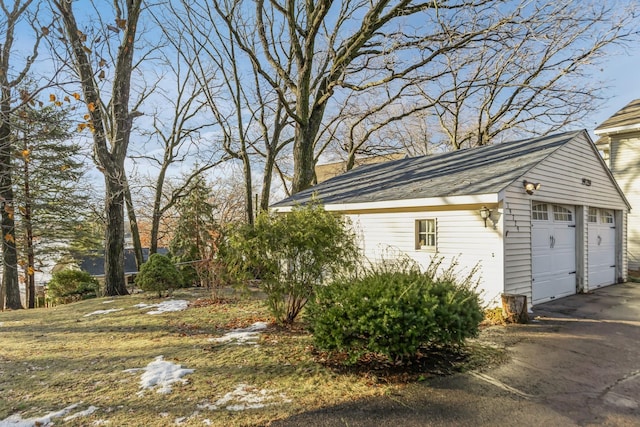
(482,170)
(629,115)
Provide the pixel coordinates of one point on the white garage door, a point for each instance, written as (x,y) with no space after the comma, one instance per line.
(553,244)
(602,248)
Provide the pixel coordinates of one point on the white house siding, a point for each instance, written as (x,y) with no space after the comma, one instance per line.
(561,178)
(625,165)
(460,233)
(517,241)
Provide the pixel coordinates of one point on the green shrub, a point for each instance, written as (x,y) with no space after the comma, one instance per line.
(72,285)
(393,313)
(290,255)
(158,274)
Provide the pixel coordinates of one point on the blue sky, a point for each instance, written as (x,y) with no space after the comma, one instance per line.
(622,73)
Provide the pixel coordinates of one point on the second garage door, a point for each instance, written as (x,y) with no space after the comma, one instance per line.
(553,244)
(602,248)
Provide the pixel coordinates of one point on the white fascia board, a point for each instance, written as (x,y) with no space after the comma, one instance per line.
(619,129)
(407,203)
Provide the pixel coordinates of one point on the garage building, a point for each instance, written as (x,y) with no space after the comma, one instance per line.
(540,217)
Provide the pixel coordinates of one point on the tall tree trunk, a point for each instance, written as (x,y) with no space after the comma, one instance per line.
(9,253)
(28,227)
(303,149)
(111,127)
(133,223)
(114,237)
(248,187)
(266,182)
(157,213)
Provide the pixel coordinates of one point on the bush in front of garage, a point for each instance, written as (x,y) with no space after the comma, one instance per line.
(395,313)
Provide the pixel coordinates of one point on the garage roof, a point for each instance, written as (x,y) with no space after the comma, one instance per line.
(473,171)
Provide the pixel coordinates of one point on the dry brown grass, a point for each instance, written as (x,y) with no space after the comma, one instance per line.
(52,358)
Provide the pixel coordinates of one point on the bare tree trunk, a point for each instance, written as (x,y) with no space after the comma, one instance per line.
(111,126)
(114,238)
(133,224)
(10,282)
(28,227)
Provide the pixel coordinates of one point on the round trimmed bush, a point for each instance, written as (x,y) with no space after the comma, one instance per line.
(72,285)
(393,313)
(158,274)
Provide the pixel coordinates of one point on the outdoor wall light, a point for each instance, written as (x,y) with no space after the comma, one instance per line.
(485,213)
(529,187)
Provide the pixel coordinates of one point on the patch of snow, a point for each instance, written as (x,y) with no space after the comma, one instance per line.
(246,397)
(165,306)
(161,374)
(111,310)
(249,335)
(90,410)
(16,420)
(109,301)
(100,422)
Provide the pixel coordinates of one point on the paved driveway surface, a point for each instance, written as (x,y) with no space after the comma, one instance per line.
(578,363)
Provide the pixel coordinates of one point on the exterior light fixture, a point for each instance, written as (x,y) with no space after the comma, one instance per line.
(529,187)
(485,213)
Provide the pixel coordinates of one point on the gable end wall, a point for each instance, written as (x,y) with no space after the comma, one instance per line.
(560,176)
(625,166)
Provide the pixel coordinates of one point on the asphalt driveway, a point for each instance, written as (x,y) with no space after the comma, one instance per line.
(578,363)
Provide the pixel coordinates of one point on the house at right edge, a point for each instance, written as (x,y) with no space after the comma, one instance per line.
(619,141)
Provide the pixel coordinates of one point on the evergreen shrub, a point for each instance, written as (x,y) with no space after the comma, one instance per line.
(158,274)
(72,285)
(394,312)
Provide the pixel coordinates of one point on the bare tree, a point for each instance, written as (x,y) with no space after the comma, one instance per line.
(110,121)
(178,127)
(535,75)
(348,45)
(366,124)
(251,124)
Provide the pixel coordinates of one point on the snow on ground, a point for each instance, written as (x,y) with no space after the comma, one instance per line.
(246,397)
(16,420)
(108,301)
(165,306)
(102,312)
(90,410)
(160,374)
(248,335)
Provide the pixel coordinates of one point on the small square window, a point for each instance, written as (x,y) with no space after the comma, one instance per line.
(539,212)
(426,234)
(593,215)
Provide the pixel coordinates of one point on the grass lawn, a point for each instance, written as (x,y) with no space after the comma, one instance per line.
(86,363)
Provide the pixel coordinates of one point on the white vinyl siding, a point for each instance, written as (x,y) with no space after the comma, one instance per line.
(517,242)
(625,165)
(561,174)
(561,177)
(460,233)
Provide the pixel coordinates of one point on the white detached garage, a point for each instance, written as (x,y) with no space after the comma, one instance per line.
(542,217)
